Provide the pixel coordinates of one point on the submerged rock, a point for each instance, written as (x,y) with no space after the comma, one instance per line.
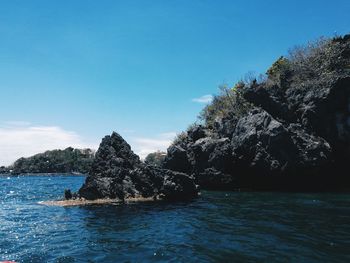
(118,173)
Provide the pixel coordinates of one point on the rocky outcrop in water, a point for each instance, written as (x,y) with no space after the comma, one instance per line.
(118,173)
(290,132)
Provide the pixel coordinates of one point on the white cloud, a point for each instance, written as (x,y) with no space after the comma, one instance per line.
(204,99)
(20,139)
(144,146)
(168,135)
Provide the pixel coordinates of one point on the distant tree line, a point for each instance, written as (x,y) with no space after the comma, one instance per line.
(69,160)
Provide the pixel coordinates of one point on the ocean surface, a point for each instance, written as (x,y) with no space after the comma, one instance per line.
(216,227)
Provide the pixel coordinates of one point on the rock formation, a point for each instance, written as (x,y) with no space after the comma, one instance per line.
(118,173)
(292,132)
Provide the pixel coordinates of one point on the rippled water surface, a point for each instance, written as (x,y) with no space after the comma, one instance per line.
(217,227)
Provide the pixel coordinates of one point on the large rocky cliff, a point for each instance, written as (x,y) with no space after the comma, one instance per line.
(288,132)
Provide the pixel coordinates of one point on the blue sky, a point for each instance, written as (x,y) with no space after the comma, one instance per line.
(85,68)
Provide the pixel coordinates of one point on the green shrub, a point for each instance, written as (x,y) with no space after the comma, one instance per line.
(311,61)
(279,69)
(229,102)
(319,58)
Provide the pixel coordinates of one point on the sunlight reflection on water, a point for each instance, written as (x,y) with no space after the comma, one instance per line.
(218,226)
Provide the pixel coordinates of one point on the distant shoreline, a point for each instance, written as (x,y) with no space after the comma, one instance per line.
(43,174)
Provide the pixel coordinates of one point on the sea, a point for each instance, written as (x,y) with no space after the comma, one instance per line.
(215,227)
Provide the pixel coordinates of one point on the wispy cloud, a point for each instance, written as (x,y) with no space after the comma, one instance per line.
(20,139)
(143,146)
(204,99)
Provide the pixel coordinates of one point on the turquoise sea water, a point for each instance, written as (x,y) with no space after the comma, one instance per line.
(216,227)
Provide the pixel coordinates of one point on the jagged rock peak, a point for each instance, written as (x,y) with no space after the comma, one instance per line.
(118,173)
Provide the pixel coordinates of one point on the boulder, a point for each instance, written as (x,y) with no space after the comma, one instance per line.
(210,152)
(196,132)
(68,194)
(262,144)
(178,159)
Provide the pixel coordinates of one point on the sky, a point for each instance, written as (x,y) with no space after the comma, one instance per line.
(73,71)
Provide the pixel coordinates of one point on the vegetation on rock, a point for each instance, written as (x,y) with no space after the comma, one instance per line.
(228,103)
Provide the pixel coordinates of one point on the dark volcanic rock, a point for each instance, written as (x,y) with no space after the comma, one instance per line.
(4,170)
(177,159)
(213,179)
(264,147)
(210,152)
(295,135)
(118,173)
(68,194)
(177,185)
(225,126)
(262,143)
(196,132)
